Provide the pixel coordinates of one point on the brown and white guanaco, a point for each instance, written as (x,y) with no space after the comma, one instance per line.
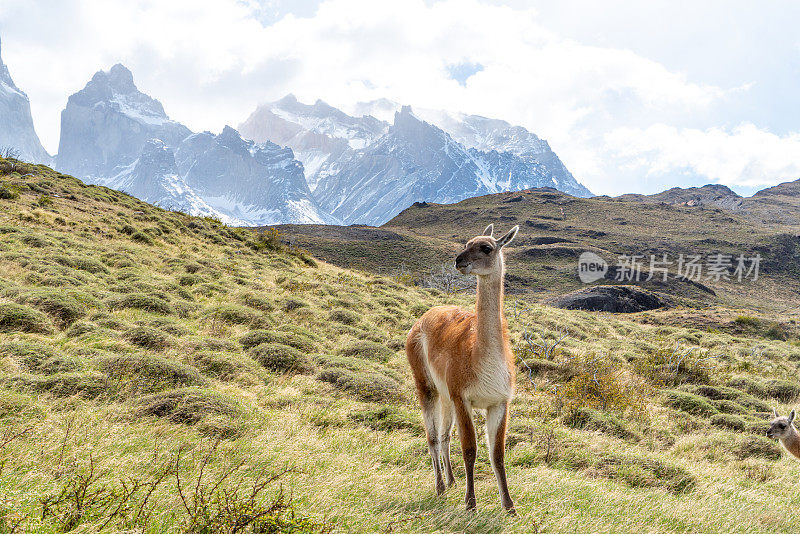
(782,428)
(462,360)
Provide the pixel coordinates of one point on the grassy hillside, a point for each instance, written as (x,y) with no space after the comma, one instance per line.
(165,373)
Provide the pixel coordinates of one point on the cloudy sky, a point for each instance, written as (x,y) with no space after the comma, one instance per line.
(633,96)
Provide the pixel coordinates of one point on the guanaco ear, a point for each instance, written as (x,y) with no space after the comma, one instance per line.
(506,239)
(489,230)
(775,412)
(791,417)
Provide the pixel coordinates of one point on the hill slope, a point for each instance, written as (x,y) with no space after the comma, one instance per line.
(156,367)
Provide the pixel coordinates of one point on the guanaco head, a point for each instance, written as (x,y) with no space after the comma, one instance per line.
(482,255)
(781,426)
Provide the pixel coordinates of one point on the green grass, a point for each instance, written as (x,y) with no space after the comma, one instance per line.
(210,357)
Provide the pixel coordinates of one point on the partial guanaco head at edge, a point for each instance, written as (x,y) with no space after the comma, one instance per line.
(482,254)
(781,426)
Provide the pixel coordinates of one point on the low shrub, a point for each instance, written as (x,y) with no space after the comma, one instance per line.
(142,301)
(293,304)
(293,339)
(344,316)
(225,365)
(387,418)
(258,302)
(87,385)
(187,405)
(233,314)
(147,373)
(731,422)
(281,358)
(21,318)
(689,403)
(39,358)
(782,390)
(142,237)
(148,337)
(190,279)
(367,386)
(756,446)
(367,350)
(590,419)
(62,306)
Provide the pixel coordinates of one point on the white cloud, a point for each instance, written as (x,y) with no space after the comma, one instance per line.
(211,62)
(746,156)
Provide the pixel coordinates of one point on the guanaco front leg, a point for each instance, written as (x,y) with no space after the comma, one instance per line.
(496,419)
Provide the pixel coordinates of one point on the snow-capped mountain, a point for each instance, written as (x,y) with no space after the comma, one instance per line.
(16,124)
(485,135)
(417,161)
(366,170)
(106,124)
(318,134)
(250,183)
(114,135)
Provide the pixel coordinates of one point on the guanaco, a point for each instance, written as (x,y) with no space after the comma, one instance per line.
(462,360)
(782,428)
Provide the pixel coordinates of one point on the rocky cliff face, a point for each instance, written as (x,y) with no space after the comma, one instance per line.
(417,161)
(105,126)
(16,124)
(257,183)
(320,135)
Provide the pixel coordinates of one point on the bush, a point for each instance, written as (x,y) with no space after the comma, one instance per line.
(640,472)
(190,279)
(293,304)
(730,407)
(193,267)
(731,422)
(257,337)
(187,405)
(142,301)
(344,316)
(368,386)
(20,318)
(590,419)
(757,446)
(233,314)
(281,358)
(258,302)
(689,403)
(144,372)
(8,192)
(782,390)
(387,418)
(87,385)
(142,237)
(60,305)
(225,365)
(38,358)
(147,337)
(367,350)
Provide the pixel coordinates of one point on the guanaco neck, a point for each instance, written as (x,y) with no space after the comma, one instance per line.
(792,443)
(489,310)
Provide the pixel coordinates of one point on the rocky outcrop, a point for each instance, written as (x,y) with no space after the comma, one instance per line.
(613,299)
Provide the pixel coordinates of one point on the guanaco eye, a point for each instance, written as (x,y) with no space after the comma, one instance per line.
(486,249)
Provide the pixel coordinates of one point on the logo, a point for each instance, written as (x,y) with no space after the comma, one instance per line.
(591,267)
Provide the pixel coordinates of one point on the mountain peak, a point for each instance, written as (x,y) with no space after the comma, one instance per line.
(5,76)
(121,78)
